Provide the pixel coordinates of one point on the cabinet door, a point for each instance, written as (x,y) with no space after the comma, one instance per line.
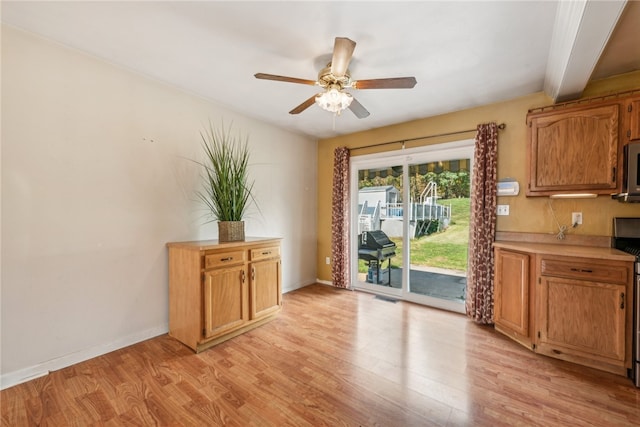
(511,290)
(582,319)
(633,114)
(225,300)
(266,295)
(574,151)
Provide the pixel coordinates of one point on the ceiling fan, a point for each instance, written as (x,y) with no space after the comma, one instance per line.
(335,77)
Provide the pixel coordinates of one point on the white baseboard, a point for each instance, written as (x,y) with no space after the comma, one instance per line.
(40,370)
(26,374)
(289,288)
(324,282)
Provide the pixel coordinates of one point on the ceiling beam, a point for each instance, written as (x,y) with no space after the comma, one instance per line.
(581,32)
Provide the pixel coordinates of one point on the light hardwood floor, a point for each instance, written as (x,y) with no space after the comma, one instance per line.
(334,358)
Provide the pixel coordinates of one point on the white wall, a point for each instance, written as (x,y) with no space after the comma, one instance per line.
(95,180)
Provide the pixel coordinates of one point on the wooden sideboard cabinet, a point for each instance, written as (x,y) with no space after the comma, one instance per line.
(567,302)
(220,290)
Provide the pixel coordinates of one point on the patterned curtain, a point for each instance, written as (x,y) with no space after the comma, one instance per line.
(482,225)
(340,219)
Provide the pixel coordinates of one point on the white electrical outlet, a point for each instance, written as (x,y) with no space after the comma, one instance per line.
(576,218)
(503,209)
(327,260)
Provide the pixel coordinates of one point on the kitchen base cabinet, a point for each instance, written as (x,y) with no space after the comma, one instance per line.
(582,322)
(583,312)
(220,290)
(566,302)
(511,291)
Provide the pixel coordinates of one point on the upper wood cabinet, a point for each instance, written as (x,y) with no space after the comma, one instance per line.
(632,119)
(574,149)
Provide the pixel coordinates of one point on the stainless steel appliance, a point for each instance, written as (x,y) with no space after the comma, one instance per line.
(626,237)
(631,178)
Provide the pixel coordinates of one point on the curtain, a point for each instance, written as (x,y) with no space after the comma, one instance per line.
(340,219)
(482,225)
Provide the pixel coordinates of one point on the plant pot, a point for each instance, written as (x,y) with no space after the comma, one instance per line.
(230,231)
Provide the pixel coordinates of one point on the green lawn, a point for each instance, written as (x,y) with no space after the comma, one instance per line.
(444,249)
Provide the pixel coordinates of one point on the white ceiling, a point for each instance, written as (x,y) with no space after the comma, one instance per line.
(463,54)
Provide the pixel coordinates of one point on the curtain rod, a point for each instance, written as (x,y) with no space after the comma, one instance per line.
(500,126)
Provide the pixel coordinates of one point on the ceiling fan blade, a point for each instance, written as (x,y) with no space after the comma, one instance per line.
(306,104)
(392,83)
(358,109)
(264,76)
(342,52)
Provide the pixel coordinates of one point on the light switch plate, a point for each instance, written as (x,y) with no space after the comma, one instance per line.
(503,209)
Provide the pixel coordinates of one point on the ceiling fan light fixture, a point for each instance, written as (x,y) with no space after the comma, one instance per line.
(334,100)
(334,78)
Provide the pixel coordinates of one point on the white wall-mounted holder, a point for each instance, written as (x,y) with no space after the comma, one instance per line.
(508,187)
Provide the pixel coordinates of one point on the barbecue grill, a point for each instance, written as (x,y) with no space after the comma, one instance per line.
(375,247)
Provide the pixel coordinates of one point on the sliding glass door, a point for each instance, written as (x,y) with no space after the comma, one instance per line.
(409,232)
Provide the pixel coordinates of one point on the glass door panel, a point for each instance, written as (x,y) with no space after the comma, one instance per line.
(380,217)
(439,207)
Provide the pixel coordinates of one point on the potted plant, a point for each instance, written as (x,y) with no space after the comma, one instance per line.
(226,191)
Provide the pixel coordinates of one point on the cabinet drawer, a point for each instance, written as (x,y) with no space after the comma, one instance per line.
(220,259)
(585,271)
(265,253)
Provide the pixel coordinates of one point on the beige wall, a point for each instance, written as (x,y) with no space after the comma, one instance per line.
(526,214)
(96,178)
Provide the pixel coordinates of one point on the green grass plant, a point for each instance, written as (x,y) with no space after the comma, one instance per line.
(226,191)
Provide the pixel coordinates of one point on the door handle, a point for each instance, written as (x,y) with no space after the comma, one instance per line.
(622,300)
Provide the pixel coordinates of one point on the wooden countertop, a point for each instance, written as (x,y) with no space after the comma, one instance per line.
(203,245)
(566,250)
